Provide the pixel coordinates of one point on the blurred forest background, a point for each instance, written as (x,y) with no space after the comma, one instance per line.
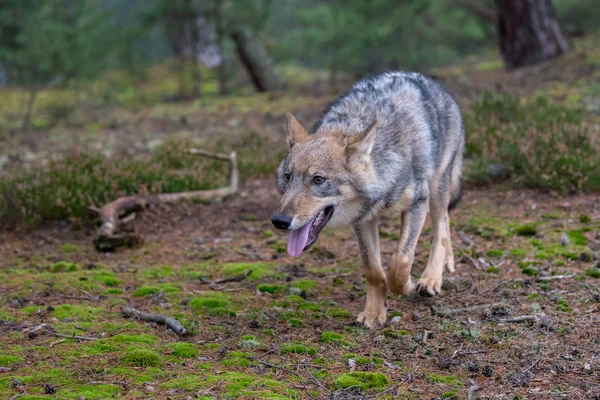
(83,81)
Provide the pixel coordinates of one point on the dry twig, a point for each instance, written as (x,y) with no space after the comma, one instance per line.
(108,237)
(169,322)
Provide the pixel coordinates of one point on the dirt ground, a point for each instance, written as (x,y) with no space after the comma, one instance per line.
(520,317)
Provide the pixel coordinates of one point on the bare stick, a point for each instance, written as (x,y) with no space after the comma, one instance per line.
(169,322)
(72,336)
(521,318)
(553,277)
(448,312)
(471,259)
(57,342)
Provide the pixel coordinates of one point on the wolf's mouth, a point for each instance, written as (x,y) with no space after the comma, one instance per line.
(302,238)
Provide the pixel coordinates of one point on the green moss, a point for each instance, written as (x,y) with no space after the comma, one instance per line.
(295,299)
(297,348)
(533,296)
(99,347)
(334,337)
(585,219)
(526,230)
(365,380)
(259,270)
(518,252)
(537,244)
(447,379)
(183,350)
(563,306)
(187,381)
(542,255)
(392,334)
(337,312)
(62,266)
(577,238)
(141,358)
(80,312)
(68,248)
(6,360)
(222,312)
(450,394)
(268,233)
(113,291)
(160,272)
(127,339)
(530,271)
(492,270)
(296,323)
(99,391)
(208,303)
(305,284)
(271,288)
(593,272)
(146,291)
(110,280)
(495,253)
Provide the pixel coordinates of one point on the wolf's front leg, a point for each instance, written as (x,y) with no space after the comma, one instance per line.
(398,273)
(368,239)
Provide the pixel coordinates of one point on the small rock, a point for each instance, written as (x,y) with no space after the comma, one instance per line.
(150,388)
(521,378)
(564,240)
(379,338)
(395,320)
(352,364)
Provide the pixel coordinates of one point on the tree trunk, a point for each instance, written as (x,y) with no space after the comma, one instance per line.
(529,32)
(256,60)
(29,110)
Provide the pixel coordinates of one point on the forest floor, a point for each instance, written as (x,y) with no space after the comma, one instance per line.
(518,319)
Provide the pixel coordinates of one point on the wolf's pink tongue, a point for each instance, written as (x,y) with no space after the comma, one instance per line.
(298,239)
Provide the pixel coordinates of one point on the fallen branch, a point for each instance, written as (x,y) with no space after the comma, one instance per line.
(5,369)
(553,277)
(471,259)
(72,336)
(441,312)
(521,318)
(169,322)
(235,278)
(108,236)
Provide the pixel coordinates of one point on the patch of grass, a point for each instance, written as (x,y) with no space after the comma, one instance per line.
(146,291)
(593,272)
(526,230)
(492,270)
(259,269)
(271,288)
(124,338)
(7,360)
(450,394)
(577,238)
(364,380)
(337,312)
(445,379)
(563,306)
(336,338)
(68,248)
(495,253)
(183,350)
(67,188)
(518,252)
(141,358)
(530,271)
(208,303)
(297,348)
(585,219)
(62,266)
(540,143)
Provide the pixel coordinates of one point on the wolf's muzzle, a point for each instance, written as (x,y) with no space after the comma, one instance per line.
(281,221)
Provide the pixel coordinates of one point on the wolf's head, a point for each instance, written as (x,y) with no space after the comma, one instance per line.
(321,180)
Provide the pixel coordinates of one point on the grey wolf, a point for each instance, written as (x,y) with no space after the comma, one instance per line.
(393,141)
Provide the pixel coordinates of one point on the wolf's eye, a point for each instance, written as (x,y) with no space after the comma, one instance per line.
(318,180)
(287,176)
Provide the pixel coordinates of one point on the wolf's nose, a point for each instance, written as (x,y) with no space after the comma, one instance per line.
(281,221)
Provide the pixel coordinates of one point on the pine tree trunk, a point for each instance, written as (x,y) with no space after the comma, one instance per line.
(256,60)
(529,32)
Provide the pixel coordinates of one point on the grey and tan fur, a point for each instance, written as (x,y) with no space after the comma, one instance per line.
(396,141)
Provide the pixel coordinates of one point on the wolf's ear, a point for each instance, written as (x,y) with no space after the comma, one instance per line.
(296,132)
(362,143)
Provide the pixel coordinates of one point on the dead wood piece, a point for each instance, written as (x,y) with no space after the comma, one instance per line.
(521,318)
(5,369)
(554,277)
(468,257)
(60,335)
(236,278)
(108,237)
(169,322)
(441,312)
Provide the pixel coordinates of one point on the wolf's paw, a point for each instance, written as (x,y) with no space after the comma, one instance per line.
(429,286)
(450,264)
(370,318)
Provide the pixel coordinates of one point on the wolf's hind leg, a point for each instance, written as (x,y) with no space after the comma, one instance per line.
(430,283)
(448,245)
(398,274)
(368,239)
